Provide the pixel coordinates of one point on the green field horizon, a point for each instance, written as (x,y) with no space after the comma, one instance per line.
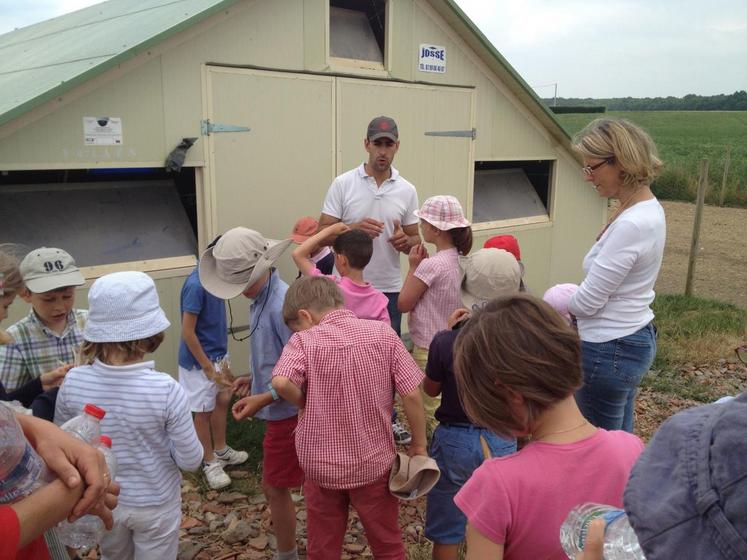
(683,138)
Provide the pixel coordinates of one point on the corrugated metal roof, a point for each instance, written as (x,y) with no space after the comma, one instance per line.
(42,61)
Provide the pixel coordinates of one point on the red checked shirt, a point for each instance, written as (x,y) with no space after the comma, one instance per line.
(349,369)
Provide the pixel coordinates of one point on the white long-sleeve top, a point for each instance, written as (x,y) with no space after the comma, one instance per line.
(148,419)
(621,268)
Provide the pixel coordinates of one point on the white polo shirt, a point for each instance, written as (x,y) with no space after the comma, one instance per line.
(354,196)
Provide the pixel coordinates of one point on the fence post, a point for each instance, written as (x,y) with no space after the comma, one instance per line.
(702,187)
(727,163)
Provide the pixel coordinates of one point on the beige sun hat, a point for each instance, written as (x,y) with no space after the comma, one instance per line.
(412,477)
(487,274)
(237,260)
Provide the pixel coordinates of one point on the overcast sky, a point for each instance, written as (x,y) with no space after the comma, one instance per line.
(614,48)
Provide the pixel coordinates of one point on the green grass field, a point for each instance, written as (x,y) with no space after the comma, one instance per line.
(683,139)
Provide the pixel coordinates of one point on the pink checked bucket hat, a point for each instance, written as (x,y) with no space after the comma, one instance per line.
(443,212)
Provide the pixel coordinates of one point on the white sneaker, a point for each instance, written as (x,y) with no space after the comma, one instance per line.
(231,456)
(215,475)
(401,435)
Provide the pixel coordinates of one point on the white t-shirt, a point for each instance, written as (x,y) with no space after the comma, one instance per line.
(354,196)
(621,268)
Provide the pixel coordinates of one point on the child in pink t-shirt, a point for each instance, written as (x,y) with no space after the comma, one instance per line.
(518,365)
(352,250)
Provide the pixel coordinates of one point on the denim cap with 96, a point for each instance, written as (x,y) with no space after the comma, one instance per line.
(123,306)
(687,494)
(487,274)
(239,259)
(47,268)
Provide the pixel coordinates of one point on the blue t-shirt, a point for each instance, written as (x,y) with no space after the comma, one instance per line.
(210,329)
(270,334)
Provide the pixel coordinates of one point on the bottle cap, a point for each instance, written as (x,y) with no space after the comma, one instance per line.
(94,410)
(106,441)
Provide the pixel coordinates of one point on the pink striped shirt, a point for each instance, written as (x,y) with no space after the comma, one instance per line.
(349,369)
(441,274)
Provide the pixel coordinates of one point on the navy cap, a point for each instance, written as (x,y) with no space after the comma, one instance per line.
(687,494)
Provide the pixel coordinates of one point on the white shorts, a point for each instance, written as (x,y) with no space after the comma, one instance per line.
(143,532)
(201,391)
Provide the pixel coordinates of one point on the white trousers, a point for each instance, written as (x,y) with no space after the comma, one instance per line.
(143,533)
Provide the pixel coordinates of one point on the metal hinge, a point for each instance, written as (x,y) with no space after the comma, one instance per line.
(454,133)
(209,127)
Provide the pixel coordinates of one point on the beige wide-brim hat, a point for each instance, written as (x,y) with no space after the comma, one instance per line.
(239,258)
(487,274)
(412,477)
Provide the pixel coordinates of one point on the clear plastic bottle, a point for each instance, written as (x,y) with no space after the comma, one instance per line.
(21,469)
(620,541)
(86,426)
(87,531)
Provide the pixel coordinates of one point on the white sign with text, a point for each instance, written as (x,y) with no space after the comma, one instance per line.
(432,58)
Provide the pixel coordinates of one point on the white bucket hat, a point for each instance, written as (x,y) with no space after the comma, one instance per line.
(237,260)
(443,212)
(123,306)
(487,274)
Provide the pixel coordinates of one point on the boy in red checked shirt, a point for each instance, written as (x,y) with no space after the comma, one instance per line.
(343,372)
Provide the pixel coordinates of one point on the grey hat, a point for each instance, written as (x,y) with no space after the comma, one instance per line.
(47,268)
(123,306)
(487,274)
(237,260)
(687,494)
(382,127)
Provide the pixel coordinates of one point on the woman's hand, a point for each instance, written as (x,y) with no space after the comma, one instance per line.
(74,462)
(594,541)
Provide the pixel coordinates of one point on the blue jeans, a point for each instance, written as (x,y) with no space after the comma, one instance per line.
(457,451)
(394,315)
(612,372)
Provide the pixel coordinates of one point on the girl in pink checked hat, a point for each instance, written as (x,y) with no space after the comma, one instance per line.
(431,290)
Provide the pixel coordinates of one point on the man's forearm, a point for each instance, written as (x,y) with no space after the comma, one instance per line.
(289,391)
(412,402)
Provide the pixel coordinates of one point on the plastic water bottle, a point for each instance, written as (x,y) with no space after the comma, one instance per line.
(620,541)
(86,426)
(87,531)
(21,469)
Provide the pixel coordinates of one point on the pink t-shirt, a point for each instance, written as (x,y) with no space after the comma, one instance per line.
(441,274)
(521,500)
(362,299)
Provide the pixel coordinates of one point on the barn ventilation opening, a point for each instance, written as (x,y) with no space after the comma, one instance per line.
(357,29)
(505,190)
(102,216)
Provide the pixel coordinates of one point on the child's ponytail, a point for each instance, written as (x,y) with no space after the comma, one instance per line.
(462,239)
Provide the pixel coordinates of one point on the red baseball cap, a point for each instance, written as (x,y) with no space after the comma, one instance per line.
(305,227)
(505,242)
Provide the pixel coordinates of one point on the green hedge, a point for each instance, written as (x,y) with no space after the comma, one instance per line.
(578,109)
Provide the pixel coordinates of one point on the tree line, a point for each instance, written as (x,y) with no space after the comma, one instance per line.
(737,101)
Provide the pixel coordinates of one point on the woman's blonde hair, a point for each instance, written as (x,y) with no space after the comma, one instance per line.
(515,345)
(625,143)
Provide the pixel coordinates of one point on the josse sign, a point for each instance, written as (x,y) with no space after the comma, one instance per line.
(432,58)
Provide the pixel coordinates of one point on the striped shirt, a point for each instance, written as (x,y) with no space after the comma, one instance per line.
(37,349)
(441,274)
(349,369)
(149,422)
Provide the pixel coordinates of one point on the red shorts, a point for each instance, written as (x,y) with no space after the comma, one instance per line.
(280,467)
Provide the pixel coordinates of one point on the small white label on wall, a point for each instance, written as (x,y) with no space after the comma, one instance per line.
(102,131)
(432,58)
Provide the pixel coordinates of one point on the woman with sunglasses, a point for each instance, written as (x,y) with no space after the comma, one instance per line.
(613,303)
